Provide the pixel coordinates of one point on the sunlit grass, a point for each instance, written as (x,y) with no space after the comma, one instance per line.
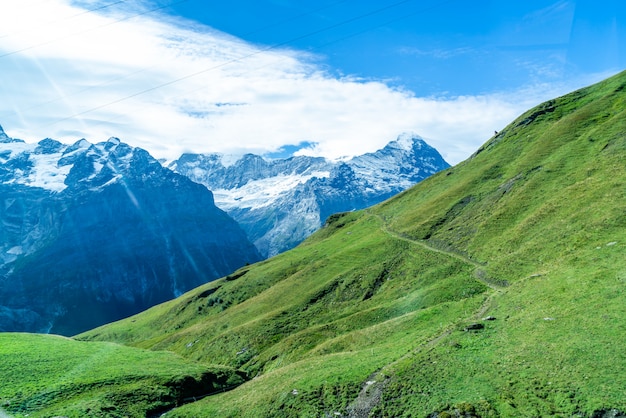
(45,375)
(531,231)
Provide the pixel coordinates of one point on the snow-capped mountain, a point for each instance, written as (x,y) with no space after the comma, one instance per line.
(90,233)
(281,202)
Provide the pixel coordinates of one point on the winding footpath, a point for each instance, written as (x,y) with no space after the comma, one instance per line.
(372,390)
(479,273)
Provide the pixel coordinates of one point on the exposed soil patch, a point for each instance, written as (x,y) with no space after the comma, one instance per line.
(369,397)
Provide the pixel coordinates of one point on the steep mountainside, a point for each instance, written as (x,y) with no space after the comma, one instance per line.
(281,202)
(495,288)
(93,233)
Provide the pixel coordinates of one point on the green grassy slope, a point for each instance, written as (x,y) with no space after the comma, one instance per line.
(543,205)
(368,315)
(44,375)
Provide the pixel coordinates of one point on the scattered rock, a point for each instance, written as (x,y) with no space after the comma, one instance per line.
(608,413)
(369,397)
(610,244)
(547,318)
(294,392)
(474,327)
(489,318)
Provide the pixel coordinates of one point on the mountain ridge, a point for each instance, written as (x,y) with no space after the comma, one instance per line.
(102,228)
(280,202)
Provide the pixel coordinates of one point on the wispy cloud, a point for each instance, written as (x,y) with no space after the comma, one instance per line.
(439,53)
(172,87)
(552,12)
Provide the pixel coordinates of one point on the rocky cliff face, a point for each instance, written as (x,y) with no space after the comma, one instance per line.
(90,233)
(281,202)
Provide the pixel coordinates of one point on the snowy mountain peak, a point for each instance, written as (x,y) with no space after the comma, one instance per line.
(80,144)
(112,143)
(407,141)
(49,146)
(33,165)
(90,233)
(54,166)
(279,202)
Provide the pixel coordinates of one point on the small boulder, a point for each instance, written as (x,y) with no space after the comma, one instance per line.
(474,327)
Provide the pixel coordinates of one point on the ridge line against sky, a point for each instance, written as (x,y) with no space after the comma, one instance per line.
(257,76)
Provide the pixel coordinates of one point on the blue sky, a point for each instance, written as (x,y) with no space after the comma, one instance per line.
(433,47)
(341,77)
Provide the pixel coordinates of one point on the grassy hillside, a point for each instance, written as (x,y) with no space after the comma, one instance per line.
(530,230)
(495,288)
(44,375)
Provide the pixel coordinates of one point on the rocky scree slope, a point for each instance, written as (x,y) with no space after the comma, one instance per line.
(91,233)
(281,202)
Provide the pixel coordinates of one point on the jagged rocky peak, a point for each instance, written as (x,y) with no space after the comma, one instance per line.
(199,160)
(210,161)
(4,138)
(250,167)
(406,144)
(279,202)
(201,168)
(49,146)
(116,149)
(408,141)
(113,142)
(81,144)
(100,231)
(73,152)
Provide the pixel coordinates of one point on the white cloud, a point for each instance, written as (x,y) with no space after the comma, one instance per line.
(170,87)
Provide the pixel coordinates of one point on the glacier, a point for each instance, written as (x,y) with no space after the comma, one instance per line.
(280,202)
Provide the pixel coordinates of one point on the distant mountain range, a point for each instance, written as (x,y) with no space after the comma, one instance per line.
(281,202)
(494,289)
(91,233)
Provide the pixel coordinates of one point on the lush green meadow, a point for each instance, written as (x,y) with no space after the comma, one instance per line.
(46,375)
(370,315)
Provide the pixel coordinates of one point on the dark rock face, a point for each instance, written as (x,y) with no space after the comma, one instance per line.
(608,413)
(281,202)
(93,233)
